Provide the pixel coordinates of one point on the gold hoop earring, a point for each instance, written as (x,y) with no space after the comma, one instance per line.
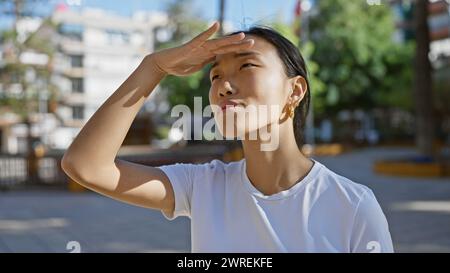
(291,111)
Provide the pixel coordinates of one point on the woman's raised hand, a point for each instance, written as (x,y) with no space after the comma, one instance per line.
(198,52)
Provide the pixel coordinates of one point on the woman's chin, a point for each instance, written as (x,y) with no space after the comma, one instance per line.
(235,132)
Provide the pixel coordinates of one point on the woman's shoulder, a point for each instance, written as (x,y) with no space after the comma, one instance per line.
(211,167)
(353,191)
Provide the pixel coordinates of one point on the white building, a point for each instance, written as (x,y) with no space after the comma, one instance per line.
(97,51)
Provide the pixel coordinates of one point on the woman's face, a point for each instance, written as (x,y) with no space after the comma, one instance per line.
(249,89)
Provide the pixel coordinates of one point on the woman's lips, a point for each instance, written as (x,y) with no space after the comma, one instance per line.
(229,106)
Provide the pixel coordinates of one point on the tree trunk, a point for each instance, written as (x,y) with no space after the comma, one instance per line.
(422,81)
(32,160)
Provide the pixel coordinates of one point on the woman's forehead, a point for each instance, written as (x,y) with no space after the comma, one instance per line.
(261,49)
(260,43)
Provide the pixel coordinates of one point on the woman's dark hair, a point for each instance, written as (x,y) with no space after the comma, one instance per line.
(294,65)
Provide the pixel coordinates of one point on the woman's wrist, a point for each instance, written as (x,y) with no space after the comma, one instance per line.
(153,65)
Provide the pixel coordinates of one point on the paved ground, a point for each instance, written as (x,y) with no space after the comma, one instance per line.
(418,211)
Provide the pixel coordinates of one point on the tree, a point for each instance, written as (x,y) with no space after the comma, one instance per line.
(423,96)
(360,64)
(31,78)
(184,24)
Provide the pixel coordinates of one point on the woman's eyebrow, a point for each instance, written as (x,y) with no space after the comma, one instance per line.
(238,55)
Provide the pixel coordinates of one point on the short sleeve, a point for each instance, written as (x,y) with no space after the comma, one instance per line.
(370,232)
(181,178)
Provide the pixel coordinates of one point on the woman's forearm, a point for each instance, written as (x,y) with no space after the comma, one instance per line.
(97,144)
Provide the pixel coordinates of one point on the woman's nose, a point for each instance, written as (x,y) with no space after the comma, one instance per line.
(226,89)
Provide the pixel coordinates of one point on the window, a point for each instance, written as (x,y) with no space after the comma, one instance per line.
(78,112)
(77,85)
(76,60)
(72,31)
(116,37)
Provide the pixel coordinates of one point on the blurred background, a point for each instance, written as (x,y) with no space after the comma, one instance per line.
(380,115)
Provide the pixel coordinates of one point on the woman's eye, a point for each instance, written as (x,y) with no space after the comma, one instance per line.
(247,65)
(214,77)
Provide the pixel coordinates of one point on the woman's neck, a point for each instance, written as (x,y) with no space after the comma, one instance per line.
(278,169)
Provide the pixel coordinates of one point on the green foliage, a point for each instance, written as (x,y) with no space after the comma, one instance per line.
(13,71)
(182,90)
(185,24)
(360,63)
(42,43)
(317,87)
(352,59)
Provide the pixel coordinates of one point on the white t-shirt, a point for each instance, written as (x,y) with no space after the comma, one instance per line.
(324,212)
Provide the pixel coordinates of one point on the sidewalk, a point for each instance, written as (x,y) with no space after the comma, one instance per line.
(45,221)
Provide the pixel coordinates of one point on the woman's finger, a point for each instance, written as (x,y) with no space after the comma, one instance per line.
(234,47)
(202,37)
(209,60)
(216,43)
(201,65)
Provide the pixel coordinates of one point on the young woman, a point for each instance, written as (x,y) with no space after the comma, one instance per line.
(274,200)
